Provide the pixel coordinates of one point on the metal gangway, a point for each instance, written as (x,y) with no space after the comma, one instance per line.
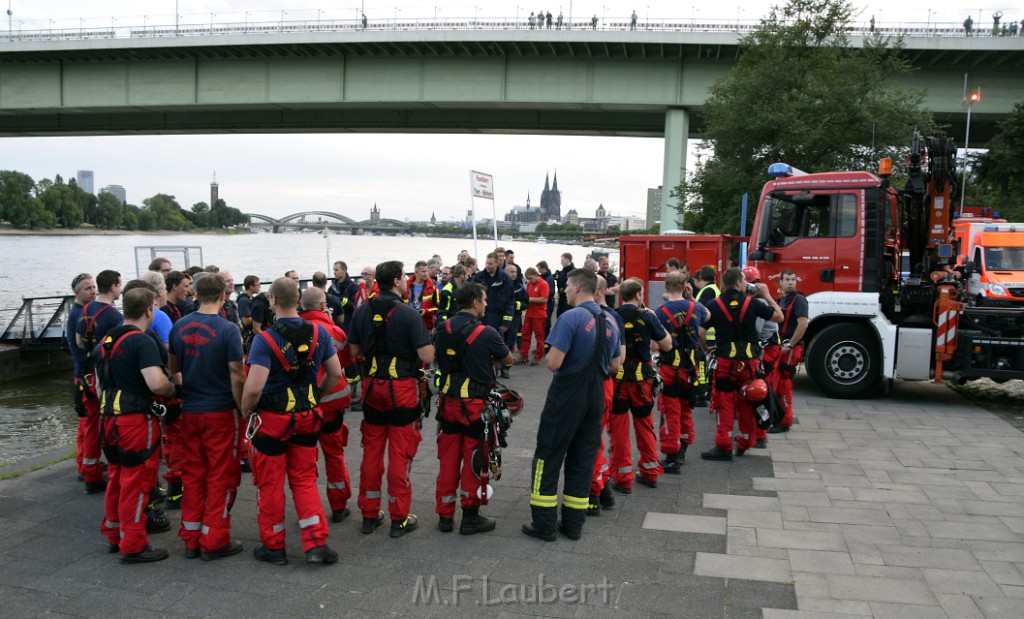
(38,324)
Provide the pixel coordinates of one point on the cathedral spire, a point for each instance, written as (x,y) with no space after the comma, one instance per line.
(554,186)
(547,182)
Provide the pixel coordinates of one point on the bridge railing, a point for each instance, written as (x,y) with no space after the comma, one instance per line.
(34,31)
(38,323)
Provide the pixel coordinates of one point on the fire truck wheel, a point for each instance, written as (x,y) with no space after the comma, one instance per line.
(844,361)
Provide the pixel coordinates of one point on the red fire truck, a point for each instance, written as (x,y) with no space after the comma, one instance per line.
(844,233)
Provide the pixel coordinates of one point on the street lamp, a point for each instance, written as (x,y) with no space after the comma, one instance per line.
(693,19)
(971,99)
(648,18)
(397,11)
(928,24)
(10,22)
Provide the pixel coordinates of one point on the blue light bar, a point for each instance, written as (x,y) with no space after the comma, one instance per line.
(780,170)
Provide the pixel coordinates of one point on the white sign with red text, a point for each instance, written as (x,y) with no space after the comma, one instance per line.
(482,185)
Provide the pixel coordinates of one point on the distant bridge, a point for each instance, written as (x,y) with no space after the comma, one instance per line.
(326,219)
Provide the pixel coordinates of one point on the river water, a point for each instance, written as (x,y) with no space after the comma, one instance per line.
(36,414)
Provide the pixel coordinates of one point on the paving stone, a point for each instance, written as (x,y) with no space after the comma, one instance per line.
(684,523)
(748,568)
(756,551)
(818,499)
(961,582)
(797,485)
(999,607)
(1014,523)
(775,613)
(939,558)
(820,561)
(984,532)
(1003,573)
(990,508)
(801,540)
(848,516)
(882,610)
(829,605)
(1012,591)
(884,571)
(871,589)
(728,501)
(753,519)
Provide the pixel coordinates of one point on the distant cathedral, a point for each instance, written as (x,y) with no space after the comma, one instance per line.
(550,205)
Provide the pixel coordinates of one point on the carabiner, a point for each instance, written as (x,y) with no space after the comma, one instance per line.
(253,426)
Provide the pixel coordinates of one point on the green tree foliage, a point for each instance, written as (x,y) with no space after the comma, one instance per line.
(199,215)
(798,94)
(1001,169)
(15,191)
(109,212)
(162,212)
(224,216)
(60,200)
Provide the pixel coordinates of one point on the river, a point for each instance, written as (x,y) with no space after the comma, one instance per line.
(36,414)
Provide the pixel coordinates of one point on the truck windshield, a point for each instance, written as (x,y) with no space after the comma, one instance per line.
(1004,258)
(788,218)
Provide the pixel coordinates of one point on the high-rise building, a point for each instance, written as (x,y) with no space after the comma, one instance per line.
(117,191)
(85,180)
(653,206)
(214,191)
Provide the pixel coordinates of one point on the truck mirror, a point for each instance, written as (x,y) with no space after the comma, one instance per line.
(757,254)
(769,256)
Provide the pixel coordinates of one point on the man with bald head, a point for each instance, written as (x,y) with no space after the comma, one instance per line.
(334,432)
(286,403)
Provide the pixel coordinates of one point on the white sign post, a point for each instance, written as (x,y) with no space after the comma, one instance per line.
(482,186)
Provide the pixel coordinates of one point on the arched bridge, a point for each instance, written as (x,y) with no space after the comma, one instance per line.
(319,220)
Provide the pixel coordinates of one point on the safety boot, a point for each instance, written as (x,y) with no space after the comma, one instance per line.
(156,520)
(322,554)
(594,507)
(149,555)
(230,549)
(338,515)
(607,498)
(370,524)
(446,525)
(276,557)
(532,531)
(401,527)
(95,487)
(671,464)
(174,492)
(473,522)
(716,454)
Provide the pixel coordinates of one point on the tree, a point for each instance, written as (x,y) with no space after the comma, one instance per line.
(31,214)
(15,191)
(109,212)
(1002,167)
(59,199)
(799,94)
(164,214)
(200,215)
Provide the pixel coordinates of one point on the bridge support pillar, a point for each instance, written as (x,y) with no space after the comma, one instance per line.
(677,128)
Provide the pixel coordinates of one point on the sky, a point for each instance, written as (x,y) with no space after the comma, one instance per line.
(278,175)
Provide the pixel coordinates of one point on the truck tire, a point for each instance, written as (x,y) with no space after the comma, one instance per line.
(844,361)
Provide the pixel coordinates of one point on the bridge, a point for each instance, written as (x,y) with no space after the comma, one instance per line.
(318,220)
(466,76)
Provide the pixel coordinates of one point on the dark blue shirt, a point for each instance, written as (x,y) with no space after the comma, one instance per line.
(643,329)
(405,330)
(573,334)
(686,336)
(278,380)
(77,354)
(135,353)
(499,297)
(478,359)
(103,320)
(204,345)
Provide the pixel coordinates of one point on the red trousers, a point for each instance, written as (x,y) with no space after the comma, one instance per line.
(268,475)
(124,505)
(730,406)
(602,472)
(459,435)
(87,438)
(676,425)
(635,398)
(173,448)
(339,484)
(210,470)
(390,424)
(787,369)
(532,327)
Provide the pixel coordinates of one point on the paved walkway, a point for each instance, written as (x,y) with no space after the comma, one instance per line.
(908,505)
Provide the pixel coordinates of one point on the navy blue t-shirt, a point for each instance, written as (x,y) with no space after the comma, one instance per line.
(793,306)
(686,336)
(244,306)
(479,357)
(136,352)
(77,354)
(103,320)
(405,330)
(204,345)
(646,326)
(736,331)
(262,355)
(573,334)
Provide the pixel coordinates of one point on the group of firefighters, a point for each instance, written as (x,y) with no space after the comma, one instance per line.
(215,387)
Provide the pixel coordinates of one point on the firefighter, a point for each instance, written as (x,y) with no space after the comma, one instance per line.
(469,352)
(282,387)
(207,350)
(600,489)
(585,350)
(97,318)
(794,325)
(421,295)
(500,301)
(704,292)
(678,370)
(84,287)
(734,317)
(131,373)
(447,307)
(334,432)
(634,390)
(391,339)
(771,345)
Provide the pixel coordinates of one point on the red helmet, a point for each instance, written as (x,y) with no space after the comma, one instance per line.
(511,399)
(755,391)
(751,274)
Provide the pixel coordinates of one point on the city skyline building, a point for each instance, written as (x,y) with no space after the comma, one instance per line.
(117,191)
(550,208)
(85,180)
(214,190)
(653,205)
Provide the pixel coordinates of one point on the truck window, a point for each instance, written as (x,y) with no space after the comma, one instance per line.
(792,217)
(1004,258)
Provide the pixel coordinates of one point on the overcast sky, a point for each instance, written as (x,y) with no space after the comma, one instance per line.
(408,176)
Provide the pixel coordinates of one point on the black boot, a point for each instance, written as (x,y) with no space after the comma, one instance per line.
(594,507)
(671,464)
(156,521)
(174,492)
(473,522)
(607,498)
(716,454)
(149,555)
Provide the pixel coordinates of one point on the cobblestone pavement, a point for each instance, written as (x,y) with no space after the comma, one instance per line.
(907,505)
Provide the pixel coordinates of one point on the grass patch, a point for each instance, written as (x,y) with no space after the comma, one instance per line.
(39,465)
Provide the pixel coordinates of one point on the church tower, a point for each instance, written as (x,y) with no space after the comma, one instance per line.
(375,213)
(555,207)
